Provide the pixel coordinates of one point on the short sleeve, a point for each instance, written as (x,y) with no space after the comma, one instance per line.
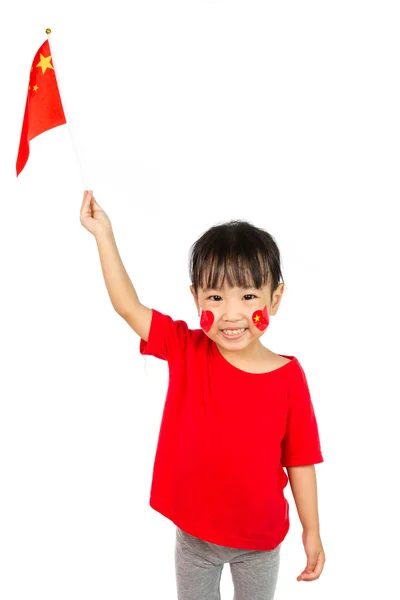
(301,442)
(167,338)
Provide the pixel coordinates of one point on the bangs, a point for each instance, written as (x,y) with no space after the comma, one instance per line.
(237,270)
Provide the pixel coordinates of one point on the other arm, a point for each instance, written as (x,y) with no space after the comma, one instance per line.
(303,481)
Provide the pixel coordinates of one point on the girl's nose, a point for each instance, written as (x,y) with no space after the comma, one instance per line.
(232,313)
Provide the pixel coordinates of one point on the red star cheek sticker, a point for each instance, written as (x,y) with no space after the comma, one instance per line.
(206,320)
(261,318)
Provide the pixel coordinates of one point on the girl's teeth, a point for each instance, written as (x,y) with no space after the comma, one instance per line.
(233,332)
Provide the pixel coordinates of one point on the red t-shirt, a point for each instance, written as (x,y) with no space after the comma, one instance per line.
(225,435)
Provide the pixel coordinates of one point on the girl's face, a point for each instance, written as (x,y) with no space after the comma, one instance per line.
(236,317)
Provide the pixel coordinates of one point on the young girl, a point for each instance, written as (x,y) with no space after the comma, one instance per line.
(235,414)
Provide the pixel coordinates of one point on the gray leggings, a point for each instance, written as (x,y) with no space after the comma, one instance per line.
(199,564)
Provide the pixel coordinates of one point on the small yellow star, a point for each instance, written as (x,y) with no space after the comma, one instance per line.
(256,318)
(35,87)
(44,63)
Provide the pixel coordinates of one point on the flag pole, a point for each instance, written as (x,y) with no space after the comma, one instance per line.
(68,122)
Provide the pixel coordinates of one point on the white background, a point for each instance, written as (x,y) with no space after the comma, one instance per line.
(185,114)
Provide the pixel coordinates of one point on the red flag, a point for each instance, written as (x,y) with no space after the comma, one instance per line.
(43,109)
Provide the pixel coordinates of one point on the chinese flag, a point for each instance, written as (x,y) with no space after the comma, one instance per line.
(43,109)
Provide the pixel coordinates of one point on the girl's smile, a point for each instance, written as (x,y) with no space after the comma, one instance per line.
(235,334)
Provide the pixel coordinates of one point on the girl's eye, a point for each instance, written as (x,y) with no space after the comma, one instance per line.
(246,296)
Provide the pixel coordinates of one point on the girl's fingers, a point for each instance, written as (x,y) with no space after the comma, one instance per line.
(85,195)
(90,196)
(86,199)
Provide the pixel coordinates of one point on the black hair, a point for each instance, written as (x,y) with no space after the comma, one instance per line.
(245,255)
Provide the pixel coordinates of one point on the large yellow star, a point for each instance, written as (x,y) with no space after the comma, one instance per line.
(45,63)
(257,318)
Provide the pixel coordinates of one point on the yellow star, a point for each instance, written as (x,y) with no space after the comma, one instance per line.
(44,63)
(257,318)
(35,87)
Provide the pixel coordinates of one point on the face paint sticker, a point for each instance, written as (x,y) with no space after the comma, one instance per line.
(261,318)
(206,320)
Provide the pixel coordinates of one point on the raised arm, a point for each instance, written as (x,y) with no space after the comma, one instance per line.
(120,288)
(122,294)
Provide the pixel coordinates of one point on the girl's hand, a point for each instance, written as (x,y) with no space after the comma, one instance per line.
(315,557)
(93,218)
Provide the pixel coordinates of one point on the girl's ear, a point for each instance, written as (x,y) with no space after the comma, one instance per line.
(196,301)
